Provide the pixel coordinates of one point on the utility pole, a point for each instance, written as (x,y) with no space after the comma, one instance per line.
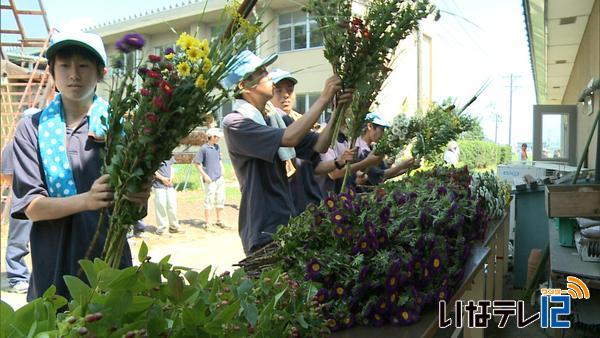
(513,79)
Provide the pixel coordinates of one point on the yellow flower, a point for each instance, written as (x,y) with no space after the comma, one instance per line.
(203,45)
(206,65)
(183,69)
(186,41)
(200,82)
(193,54)
(170,56)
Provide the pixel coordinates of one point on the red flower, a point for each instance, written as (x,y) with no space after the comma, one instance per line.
(147,130)
(145,92)
(153,74)
(152,118)
(169,66)
(366,34)
(158,102)
(154,58)
(166,87)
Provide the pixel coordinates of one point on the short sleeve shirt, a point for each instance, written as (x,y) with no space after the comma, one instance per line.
(209,156)
(7,159)
(266,199)
(57,245)
(166,170)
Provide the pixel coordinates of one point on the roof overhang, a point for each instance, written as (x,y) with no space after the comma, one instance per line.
(555,29)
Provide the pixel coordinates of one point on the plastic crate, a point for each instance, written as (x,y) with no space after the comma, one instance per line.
(566,230)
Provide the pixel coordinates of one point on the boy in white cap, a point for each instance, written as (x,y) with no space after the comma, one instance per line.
(209,164)
(259,144)
(57,152)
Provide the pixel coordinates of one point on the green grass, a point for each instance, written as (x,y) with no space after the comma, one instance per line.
(194,182)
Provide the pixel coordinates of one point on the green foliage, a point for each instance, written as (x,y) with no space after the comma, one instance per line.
(476,133)
(159,299)
(483,154)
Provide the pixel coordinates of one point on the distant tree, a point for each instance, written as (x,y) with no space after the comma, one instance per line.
(475,134)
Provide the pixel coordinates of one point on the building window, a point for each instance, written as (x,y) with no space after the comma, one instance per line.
(298,30)
(305,101)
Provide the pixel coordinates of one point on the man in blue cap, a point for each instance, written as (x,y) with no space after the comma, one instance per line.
(259,144)
(372,134)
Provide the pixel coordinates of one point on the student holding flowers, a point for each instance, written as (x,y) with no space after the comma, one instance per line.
(259,144)
(57,180)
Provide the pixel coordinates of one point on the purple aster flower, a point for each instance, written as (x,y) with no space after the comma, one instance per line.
(400,198)
(382,306)
(362,245)
(442,191)
(403,315)
(339,291)
(339,231)
(382,237)
(349,321)
(413,195)
(391,282)
(345,197)
(363,274)
(384,216)
(441,294)
(392,299)
(351,192)
(134,40)
(329,202)
(169,50)
(313,269)
(322,295)
(338,217)
(332,324)
(436,263)
(369,227)
(349,232)
(377,319)
(373,242)
(430,185)
(423,219)
(121,46)
(395,267)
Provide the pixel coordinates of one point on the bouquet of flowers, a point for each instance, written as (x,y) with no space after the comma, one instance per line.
(384,256)
(179,90)
(428,133)
(360,48)
(495,193)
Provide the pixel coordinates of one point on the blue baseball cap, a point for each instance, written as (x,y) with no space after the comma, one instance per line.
(278,75)
(89,41)
(377,119)
(246,63)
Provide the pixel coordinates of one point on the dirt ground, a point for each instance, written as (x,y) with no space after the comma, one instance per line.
(197,248)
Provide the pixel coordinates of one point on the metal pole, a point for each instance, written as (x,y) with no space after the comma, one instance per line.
(510,112)
(597,174)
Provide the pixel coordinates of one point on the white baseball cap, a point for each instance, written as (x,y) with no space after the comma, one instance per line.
(89,41)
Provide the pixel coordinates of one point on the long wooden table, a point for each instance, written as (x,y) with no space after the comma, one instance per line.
(484,279)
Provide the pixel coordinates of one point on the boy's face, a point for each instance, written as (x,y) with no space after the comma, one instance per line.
(260,83)
(284,96)
(76,77)
(376,132)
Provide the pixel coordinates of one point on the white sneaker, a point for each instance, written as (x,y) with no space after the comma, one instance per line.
(19,287)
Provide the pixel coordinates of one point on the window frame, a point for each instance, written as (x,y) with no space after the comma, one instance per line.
(307,25)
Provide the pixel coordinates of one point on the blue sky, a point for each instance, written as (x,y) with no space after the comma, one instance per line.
(475,40)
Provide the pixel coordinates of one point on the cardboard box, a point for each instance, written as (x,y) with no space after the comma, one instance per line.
(580,200)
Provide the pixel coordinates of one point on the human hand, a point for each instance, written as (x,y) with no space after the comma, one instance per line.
(373,159)
(349,155)
(207,179)
(100,195)
(140,198)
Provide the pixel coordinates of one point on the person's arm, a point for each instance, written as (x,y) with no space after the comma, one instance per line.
(369,161)
(164,179)
(44,208)
(297,130)
(222,168)
(325,167)
(398,169)
(203,173)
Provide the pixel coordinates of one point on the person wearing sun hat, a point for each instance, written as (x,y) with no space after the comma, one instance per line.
(259,143)
(57,170)
(372,133)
